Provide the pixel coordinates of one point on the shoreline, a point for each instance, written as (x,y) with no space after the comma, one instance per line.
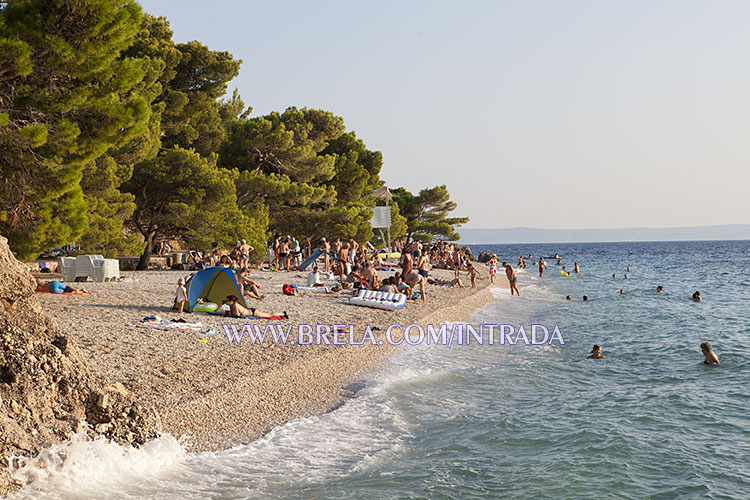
(213,395)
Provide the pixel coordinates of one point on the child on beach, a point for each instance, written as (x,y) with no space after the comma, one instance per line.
(472,274)
(493,267)
(181,295)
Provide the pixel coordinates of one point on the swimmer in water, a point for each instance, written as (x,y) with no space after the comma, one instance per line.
(576,268)
(660,289)
(626,276)
(568,298)
(622,291)
(708,352)
(596,353)
(614,276)
(697,296)
(585,298)
(628,269)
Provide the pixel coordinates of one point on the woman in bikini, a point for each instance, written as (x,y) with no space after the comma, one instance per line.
(236,309)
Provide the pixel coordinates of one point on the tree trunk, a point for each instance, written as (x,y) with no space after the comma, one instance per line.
(146,255)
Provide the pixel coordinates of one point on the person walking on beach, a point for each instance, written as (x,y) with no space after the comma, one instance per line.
(493,267)
(596,353)
(457,260)
(708,352)
(473,274)
(512,278)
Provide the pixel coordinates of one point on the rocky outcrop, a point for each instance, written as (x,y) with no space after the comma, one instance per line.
(484,257)
(47,392)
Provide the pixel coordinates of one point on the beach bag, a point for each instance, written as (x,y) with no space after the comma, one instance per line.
(289,289)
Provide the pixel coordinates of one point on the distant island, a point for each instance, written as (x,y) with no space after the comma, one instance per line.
(534,235)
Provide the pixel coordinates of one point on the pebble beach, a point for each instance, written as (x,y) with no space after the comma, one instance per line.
(213,394)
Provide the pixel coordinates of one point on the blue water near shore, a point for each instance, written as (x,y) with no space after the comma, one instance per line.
(479,421)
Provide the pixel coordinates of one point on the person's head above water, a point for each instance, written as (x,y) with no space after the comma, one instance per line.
(585,297)
(660,289)
(708,351)
(568,298)
(622,290)
(596,352)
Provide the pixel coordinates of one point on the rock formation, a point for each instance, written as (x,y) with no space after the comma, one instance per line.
(47,392)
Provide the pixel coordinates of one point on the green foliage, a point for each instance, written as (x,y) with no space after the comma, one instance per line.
(180,194)
(67,97)
(427,213)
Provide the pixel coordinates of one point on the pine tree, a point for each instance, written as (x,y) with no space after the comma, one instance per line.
(66,98)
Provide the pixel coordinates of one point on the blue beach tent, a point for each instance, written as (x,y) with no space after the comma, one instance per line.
(213,284)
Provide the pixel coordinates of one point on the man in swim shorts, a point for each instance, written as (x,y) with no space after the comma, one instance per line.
(512,278)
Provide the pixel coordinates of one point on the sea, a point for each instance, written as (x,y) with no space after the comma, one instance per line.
(484,421)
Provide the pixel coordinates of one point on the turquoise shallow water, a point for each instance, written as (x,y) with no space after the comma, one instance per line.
(650,421)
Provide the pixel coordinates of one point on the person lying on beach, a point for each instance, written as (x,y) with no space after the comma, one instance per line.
(314,279)
(512,278)
(236,309)
(55,286)
(249,287)
(596,353)
(415,279)
(442,282)
(708,352)
(697,296)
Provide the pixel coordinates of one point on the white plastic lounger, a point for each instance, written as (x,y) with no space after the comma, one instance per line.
(379,300)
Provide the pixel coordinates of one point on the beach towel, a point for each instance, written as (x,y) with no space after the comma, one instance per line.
(170,325)
(77,292)
(216,313)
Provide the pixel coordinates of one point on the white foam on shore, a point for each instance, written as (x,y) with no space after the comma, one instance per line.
(361,434)
(354,437)
(81,468)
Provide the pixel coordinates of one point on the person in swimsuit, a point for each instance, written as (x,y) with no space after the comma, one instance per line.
(424,264)
(697,296)
(708,352)
(56,287)
(326,247)
(236,309)
(493,267)
(541,266)
(512,278)
(473,274)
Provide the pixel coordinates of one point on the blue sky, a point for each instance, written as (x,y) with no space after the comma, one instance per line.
(552,114)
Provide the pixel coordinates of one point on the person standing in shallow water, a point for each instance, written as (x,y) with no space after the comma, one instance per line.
(512,278)
(708,352)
